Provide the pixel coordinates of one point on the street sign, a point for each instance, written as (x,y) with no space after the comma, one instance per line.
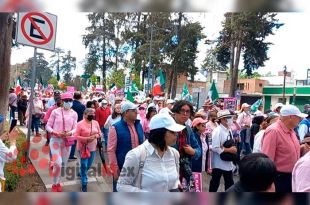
(37,29)
(196,90)
(238,94)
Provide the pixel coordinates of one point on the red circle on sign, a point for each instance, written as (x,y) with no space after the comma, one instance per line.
(45,39)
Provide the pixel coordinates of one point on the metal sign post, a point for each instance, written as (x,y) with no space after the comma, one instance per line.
(33,76)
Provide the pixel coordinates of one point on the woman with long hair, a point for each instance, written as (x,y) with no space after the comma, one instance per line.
(151,112)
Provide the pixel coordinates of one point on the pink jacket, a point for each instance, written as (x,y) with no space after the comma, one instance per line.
(83,132)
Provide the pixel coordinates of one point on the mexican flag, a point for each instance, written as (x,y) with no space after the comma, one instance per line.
(129,97)
(113,88)
(162,80)
(185,94)
(213,94)
(134,87)
(18,88)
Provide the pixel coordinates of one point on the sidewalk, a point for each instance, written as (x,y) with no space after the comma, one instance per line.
(70,182)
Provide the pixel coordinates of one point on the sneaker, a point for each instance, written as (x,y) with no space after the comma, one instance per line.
(54,188)
(84,188)
(73,158)
(59,188)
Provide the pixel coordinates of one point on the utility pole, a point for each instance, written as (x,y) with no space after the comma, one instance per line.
(149,81)
(104,64)
(284,82)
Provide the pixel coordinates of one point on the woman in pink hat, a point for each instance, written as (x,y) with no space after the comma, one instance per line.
(61,125)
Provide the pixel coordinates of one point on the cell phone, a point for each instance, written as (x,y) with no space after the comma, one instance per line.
(13,124)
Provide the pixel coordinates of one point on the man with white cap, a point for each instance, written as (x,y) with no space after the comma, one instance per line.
(221,135)
(123,137)
(169,104)
(154,164)
(277,108)
(102,114)
(282,146)
(245,122)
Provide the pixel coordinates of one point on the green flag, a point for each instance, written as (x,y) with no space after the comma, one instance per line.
(162,80)
(134,87)
(185,92)
(213,94)
(83,88)
(129,97)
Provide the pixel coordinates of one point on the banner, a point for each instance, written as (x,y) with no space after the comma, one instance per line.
(99,88)
(70,89)
(230,104)
(198,181)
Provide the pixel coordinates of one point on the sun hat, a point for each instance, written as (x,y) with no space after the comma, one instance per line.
(198,121)
(245,105)
(224,114)
(207,103)
(277,106)
(128,106)
(164,120)
(170,101)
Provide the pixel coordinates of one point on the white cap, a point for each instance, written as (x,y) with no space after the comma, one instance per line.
(104,102)
(164,120)
(288,110)
(170,101)
(128,106)
(151,105)
(245,105)
(165,110)
(278,105)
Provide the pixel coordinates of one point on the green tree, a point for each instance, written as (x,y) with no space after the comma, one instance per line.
(68,64)
(254,75)
(116,77)
(56,61)
(53,81)
(211,64)
(245,33)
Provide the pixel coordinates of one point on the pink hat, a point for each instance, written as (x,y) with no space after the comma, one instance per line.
(198,121)
(66,95)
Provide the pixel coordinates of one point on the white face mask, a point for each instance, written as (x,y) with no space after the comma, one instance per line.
(67,105)
(230,121)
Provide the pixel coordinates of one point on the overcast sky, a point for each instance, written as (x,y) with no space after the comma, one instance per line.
(290,43)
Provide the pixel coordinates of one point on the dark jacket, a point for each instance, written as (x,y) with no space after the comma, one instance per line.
(197,163)
(191,139)
(124,140)
(79,108)
(22,105)
(237,187)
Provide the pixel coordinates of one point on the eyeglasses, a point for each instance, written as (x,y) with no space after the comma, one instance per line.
(68,100)
(141,108)
(185,112)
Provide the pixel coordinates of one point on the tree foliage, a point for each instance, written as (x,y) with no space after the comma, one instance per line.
(116,77)
(68,63)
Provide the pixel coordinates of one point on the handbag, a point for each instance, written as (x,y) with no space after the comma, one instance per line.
(85,153)
(227,156)
(69,141)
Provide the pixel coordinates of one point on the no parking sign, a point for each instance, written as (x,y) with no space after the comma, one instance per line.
(37,29)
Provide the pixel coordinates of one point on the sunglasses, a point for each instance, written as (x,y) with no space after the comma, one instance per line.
(68,100)
(141,108)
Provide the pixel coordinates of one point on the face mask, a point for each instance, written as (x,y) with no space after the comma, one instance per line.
(67,105)
(90,117)
(230,121)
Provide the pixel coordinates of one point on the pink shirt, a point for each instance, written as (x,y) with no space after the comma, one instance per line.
(145,125)
(244,119)
(282,146)
(112,142)
(55,122)
(301,176)
(84,130)
(49,112)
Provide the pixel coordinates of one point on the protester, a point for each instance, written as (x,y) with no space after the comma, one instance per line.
(124,135)
(12,103)
(37,112)
(90,104)
(61,125)
(259,112)
(221,136)
(151,111)
(7,154)
(142,112)
(256,123)
(87,133)
(300,174)
(306,108)
(257,147)
(114,117)
(155,164)
(304,127)
(207,107)
(282,146)
(79,108)
(277,108)
(22,108)
(170,103)
(305,146)
(201,164)
(102,114)
(245,122)
(256,174)
(186,144)
(235,129)
(52,101)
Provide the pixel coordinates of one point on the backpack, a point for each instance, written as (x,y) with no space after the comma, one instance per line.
(143,156)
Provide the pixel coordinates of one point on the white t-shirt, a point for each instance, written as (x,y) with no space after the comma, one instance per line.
(258,141)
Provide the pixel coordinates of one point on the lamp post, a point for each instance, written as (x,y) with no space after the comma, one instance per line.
(284,82)
(149,86)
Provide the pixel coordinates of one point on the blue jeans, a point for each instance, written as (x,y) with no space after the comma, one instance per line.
(85,165)
(105,133)
(245,145)
(73,147)
(35,123)
(12,112)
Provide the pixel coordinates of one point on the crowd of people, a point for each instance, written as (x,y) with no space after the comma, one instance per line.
(157,144)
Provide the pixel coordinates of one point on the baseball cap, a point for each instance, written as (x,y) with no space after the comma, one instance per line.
(128,106)
(288,110)
(170,101)
(198,121)
(66,95)
(277,106)
(245,105)
(165,110)
(104,102)
(164,120)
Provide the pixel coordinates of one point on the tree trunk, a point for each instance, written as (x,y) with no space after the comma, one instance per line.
(104,65)
(231,68)
(235,72)
(6,28)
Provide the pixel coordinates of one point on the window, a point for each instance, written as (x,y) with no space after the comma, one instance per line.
(280,100)
(260,85)
(240,86)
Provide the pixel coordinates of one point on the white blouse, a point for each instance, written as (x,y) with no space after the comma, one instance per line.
(158,174)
